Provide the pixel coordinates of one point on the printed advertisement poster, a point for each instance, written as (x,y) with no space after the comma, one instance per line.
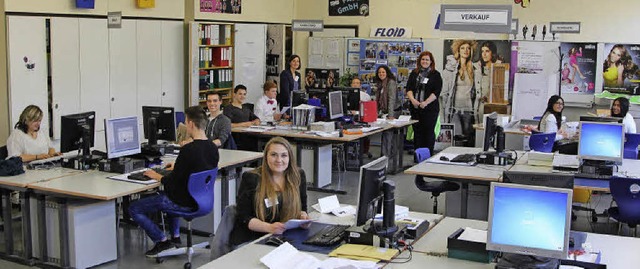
(470,69)
(401,57)
(316,78)
(445,138)
(221,6)
(578,71)
(620,68)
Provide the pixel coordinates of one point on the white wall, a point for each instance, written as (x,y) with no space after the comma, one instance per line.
(163,8)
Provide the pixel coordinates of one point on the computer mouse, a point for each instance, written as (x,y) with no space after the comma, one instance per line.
(444,158)
(275,241)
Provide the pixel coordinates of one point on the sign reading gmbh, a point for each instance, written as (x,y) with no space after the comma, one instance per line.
(476,18)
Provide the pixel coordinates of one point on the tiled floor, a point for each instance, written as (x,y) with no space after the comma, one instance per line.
(133,243)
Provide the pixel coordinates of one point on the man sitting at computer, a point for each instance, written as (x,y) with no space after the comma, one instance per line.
(267,106)
(197,156)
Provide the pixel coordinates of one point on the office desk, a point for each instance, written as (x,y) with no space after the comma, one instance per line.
(478,174)
(249,255)
(19,183)
(435,241)
(514,138)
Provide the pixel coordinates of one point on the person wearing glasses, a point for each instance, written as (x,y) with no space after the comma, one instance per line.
(551,120)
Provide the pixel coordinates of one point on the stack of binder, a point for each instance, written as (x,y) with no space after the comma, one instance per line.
(214,34)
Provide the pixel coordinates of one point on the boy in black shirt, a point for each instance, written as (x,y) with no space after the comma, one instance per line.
(197,156)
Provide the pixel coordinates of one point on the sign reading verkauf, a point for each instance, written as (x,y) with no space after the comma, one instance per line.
(393,32)
(476,18)
(307,25)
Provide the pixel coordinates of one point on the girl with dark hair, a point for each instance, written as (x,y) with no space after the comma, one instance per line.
(423,89)
(289,81)
(27,141)
(620,109)
(551,120)
(386,92)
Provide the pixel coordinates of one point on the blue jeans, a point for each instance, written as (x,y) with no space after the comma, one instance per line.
(140,209)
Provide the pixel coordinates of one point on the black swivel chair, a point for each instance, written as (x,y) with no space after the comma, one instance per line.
(434,187)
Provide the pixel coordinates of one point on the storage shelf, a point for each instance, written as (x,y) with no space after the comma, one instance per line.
(215,67)
(215,46)
(216,90)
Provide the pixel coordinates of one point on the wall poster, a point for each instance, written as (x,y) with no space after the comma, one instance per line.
(620,68)
(578,71)
(221,6)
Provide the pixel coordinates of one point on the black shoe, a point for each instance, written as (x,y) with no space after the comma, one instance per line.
(159,247)
(176,241)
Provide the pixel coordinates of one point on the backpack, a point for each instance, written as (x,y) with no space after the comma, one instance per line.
(11,167)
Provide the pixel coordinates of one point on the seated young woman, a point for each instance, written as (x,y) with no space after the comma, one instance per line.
(270,195)
(551,122)
(620,109)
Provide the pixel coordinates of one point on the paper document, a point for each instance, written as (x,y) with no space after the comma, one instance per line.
(363,252)
(288,257)
(473,235)
(328,203)
(332,263)
(284,110)
(342,211)
(295,223)
(567,161)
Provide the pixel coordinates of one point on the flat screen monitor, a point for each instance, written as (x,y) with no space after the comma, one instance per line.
(601,141)
(529,220)
(319,94)
(335,105)
(490,129)
(553,180)
(351,98)
(298,98)
(159,123)
(371,177)
(121,135)
(600,119)
(77,132)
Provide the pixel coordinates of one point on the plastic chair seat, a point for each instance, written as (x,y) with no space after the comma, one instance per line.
(614,212)
(436,187)
(542,142)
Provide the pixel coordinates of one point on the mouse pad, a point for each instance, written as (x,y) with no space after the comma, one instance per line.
(295,237)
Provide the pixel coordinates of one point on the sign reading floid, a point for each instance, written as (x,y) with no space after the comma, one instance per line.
(394,32)
(476,18)
(348,7)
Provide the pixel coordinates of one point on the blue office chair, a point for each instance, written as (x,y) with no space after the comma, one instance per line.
(626,193)
(201,189)
(631,143)
(434,187)
(537,118)
(179,118)
(542,142)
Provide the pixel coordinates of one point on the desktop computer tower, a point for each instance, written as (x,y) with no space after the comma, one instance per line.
(477,203)
(308,159)
(92,232)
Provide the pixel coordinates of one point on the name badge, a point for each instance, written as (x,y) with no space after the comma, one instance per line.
(296,78)
(425,80)
(268,204)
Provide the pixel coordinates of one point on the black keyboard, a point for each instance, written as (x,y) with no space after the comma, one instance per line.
(141,177)
(464,158)
(354,125)
(328,236)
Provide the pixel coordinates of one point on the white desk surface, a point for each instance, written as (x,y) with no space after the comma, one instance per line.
(436,239)
(478,172)
(232,157)
(512,130)
(91,184)
(33,176)
(351,220)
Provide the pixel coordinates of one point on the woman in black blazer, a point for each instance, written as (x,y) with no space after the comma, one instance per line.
(289,81)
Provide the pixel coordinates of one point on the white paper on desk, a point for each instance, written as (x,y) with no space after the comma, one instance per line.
(473,235)
(332,263)
(329,203)
(404,118)
(295,223)
(569,267)
(288,257)
(284,110)
(344,211)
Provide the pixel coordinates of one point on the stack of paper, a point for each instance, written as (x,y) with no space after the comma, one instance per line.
(362,252)
(540,158)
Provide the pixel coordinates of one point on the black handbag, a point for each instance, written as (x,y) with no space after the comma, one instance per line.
(11,167)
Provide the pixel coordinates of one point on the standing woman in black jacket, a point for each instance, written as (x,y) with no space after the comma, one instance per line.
(423,89)
(289,81)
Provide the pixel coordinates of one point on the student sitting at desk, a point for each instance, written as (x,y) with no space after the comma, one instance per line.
(270,195)
(242,117)
(620,109)
(551,122)
(26,140)
(218,127)
(267,106)
(197,156)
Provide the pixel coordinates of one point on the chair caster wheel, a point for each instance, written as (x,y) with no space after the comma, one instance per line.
(594,219)
(159,260)
(187,265)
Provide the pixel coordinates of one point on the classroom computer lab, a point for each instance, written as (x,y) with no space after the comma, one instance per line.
(288,134)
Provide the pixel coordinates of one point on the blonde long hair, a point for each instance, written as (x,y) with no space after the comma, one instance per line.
(468,68)
(266,189)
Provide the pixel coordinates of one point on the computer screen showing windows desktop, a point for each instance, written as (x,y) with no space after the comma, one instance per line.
(601,141)
(122,137)
(529,220)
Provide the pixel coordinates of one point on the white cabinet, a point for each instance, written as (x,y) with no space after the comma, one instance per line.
(27,58)
(173,88)
(123,82)
(251,57)
(149,68)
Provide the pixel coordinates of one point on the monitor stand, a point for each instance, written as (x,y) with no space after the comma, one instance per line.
(519,261)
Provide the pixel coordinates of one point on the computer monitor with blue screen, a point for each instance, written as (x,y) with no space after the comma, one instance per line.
(601,141)
(335,105)
(122,137)
(530,224)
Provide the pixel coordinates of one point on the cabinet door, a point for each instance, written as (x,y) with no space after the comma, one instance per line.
(173,88)
(122,69)
(94,73)
(65,69)
(250,58)
(27,58)
(149,38)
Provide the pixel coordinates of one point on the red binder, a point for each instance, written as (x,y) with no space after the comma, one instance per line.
(368,111)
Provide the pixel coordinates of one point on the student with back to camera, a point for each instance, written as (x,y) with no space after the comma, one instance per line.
(620,109)
(423,90)
(27,141)
(197,156)
(270,195)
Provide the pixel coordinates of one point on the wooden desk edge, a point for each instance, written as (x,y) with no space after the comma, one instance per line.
(431,174)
